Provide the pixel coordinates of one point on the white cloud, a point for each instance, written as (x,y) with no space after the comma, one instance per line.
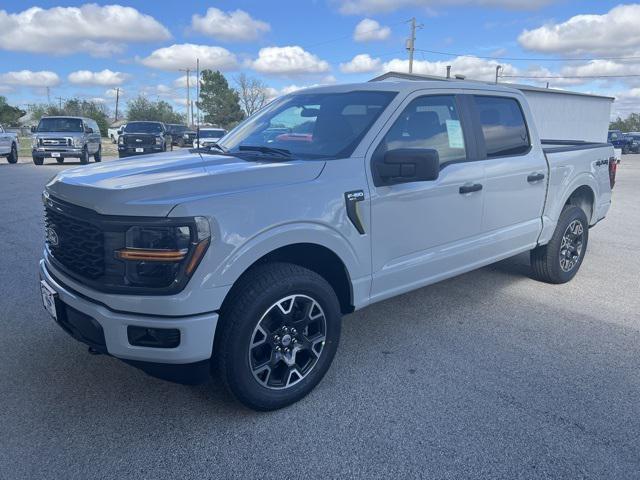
(236,26)
(472,68)
(362,63)
(369,30)
(105,78)
(615,32)
(290,60)
(184,55)
(181,82)
(28,78)
(626,103)
(368,7)
(112,93)
(97,30)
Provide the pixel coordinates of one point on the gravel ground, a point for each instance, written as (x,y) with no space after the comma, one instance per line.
(488,375)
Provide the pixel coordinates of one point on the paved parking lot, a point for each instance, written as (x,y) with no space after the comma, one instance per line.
(488,375)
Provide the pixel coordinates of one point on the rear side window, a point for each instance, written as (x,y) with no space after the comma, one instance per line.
(503,126)
(430,122)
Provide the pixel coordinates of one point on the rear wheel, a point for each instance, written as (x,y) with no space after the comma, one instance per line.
(277,335)
(13,155)
(560,259)
(98,156)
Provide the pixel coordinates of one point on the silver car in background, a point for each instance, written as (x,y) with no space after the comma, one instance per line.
(66,137)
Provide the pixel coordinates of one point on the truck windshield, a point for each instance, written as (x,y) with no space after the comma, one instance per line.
(309,125)
(143,127)
(211,133)
(60,125)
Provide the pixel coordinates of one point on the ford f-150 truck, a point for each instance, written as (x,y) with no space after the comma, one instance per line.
(9,145)
(241,259)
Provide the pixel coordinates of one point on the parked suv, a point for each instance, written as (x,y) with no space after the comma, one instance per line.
(66,137)
(181,135)
(139,138)
(243,257)
(620,140)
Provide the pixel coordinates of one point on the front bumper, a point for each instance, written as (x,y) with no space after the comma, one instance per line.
(64,152)
(196,331)
(124,151)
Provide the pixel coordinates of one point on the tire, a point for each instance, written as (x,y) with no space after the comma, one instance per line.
(38,160)
(554,263)
(283,291)
(98,156)
(84,157)
(13,156)
(60,160)
(113,139)
(181,143)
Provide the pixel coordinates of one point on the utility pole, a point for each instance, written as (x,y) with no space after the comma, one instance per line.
(411,42)
(48,96)
(192,120)
(498,68)
(117,100)
(188,71)
(60,101)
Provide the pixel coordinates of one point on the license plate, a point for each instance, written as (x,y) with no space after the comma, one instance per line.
(55,154)
(139,150)
(49,299)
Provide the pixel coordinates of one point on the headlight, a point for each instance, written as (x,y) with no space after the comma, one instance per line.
(34,142)
(161,256)
(77,142)
(120,140)
(186,135)
(158,141)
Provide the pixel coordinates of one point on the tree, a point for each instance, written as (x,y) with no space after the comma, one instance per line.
(9,115)
(252,92)
(629,124)
(141,108)
(219,102)
(77,108)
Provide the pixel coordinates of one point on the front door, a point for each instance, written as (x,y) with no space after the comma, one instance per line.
(424,231)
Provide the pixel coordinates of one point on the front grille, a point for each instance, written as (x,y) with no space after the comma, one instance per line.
(76,244)
(139,140)
(55,142)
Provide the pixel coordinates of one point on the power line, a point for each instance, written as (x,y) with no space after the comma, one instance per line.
(526,59)
(570,76)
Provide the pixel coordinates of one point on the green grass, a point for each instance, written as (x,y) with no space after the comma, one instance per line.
(109,149)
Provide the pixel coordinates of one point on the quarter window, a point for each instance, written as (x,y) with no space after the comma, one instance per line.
(429,122)
(503,126)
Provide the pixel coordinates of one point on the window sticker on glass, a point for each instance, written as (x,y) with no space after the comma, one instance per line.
(454,131)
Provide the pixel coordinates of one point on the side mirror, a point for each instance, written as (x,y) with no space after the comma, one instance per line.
(33,128)
(405,165)
(88,130)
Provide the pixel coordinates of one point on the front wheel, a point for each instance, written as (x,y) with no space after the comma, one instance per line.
(560,259)
(38,160)
(277,335)
(60,160)
(13,156)
(84,156)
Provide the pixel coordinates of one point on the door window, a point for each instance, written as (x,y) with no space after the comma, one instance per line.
(429,122)
(503,126)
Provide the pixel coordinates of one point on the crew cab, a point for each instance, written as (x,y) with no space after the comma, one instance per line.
(140,138)
(242,258)
(9,144)
(66,137)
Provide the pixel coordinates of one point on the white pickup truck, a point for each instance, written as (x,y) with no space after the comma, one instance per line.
(9,144)
(241,259)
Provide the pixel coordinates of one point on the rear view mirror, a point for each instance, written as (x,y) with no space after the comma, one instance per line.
(405,165)
(309,112)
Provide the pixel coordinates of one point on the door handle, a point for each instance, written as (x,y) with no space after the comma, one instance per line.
(470,188)
(535,177)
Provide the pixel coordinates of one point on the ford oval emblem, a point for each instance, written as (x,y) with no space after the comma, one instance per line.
(52,237)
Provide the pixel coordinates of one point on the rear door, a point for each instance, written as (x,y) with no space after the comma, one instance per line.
(4,141)
(424,231)
(515,174)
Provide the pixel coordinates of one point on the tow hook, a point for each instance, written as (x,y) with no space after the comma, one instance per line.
(93,351)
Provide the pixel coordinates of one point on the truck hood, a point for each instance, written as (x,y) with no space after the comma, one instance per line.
(151,185)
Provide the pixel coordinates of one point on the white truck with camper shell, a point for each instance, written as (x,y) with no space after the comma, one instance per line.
(241,259)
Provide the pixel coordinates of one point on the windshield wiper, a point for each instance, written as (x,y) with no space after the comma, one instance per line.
(282,152)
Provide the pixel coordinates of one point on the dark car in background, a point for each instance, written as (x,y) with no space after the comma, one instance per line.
(619,140)
(634,142)
(181,134)
(140,138)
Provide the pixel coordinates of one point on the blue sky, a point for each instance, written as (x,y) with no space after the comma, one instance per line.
(87,50)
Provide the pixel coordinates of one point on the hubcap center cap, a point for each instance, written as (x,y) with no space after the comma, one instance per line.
(286,340)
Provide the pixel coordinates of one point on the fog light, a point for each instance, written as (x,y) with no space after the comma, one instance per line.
(153,337)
